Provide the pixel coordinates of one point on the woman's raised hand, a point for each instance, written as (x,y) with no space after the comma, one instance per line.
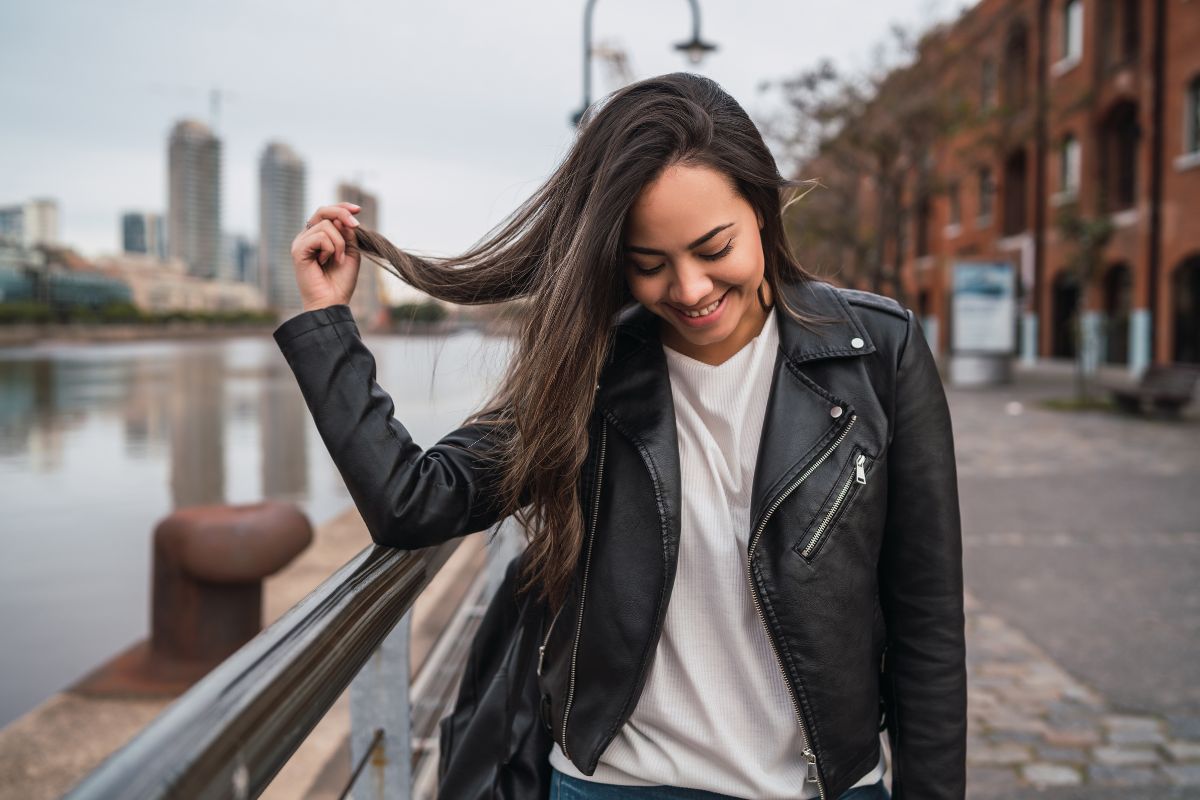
(326,256)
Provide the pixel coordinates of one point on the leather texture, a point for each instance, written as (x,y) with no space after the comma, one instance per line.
(869,618)
(492,746)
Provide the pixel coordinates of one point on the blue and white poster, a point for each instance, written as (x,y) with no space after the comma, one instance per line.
(983,307)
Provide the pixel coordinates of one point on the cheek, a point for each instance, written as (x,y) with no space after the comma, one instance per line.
(641,288)
(751,265)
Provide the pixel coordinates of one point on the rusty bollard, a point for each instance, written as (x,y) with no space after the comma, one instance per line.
(209,565)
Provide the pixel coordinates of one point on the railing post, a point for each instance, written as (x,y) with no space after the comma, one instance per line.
(379,699)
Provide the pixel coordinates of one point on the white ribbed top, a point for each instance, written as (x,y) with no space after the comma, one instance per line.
(715,713)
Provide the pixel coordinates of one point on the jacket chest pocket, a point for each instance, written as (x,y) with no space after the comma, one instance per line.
(847,487)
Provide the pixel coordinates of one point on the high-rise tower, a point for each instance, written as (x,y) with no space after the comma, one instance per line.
(280,218)
(194,198)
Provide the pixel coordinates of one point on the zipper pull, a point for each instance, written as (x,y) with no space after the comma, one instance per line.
(812,765)
(541,658)
(860,473)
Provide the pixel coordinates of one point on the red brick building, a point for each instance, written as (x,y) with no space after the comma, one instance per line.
(1089,103)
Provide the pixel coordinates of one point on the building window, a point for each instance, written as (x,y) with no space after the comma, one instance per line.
(1191,140)
(1119,140)
(987,84)
(1014,221)
(924,220)
(1016,66)
(987,193)
(1072,32)
(1130,29)
(1119,31)
(1069,163)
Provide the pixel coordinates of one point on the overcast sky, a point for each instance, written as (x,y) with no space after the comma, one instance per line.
(451,112)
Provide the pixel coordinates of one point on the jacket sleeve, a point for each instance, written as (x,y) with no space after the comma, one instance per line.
(407,497)
(921,587)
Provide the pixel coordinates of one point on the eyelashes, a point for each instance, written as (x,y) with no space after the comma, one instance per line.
(724,251)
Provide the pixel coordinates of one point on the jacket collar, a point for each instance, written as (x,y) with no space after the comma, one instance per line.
(635,395)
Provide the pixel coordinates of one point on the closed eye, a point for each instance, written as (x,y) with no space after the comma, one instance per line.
(724,251)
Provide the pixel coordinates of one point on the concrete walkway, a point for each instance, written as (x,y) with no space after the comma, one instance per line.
(1081,552)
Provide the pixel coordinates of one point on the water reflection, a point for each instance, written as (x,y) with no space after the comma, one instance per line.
(197,444)
(282,417)
(97,443)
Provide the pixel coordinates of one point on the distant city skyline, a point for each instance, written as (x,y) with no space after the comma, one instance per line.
(282,200)
(423,106)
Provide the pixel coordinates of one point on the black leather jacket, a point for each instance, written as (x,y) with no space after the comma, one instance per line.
(855,550)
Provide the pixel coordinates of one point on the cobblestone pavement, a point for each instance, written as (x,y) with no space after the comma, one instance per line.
(1032,725)
(1081,535)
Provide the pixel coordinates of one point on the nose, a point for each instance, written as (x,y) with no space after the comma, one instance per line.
(691,286)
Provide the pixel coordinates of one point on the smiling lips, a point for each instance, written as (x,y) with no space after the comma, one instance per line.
(705,311)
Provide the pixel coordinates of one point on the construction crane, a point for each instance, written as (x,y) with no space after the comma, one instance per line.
(615,60)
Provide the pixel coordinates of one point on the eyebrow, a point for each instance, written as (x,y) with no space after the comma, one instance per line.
(651,252)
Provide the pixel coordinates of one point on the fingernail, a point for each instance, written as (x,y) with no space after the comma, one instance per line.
(353,222)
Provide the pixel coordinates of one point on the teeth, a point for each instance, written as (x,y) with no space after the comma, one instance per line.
(704,311)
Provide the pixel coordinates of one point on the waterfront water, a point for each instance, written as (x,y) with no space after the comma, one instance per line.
(100,442)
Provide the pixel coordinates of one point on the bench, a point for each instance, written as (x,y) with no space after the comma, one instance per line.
(1167,388)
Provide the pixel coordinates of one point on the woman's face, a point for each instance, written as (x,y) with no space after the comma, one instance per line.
(695,258)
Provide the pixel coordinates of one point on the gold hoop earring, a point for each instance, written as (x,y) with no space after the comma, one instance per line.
(761,301)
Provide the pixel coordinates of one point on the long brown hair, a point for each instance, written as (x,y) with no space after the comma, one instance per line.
(562,250)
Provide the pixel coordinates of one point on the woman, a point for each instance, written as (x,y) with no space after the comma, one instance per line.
(738,481)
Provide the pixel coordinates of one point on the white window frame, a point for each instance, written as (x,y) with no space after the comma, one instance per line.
(1070,153)
(1072,38)
(1070,41)
(985,188)
(1190,157)
(1191,127)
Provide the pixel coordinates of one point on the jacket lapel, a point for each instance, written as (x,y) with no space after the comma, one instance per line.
(800,417)
(635,395)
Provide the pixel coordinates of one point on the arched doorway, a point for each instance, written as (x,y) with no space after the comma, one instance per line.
(1118,301)
(1185,286)
(1065,295)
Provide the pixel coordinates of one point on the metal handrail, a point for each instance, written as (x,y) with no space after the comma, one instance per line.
(234,730)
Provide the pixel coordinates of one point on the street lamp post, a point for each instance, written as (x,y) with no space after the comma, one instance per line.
(696,48)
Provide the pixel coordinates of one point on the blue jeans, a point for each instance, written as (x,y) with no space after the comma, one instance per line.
(565,787)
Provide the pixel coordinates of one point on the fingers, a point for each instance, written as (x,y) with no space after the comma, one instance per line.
(332,234)
(349,233)
(340,211)
(320,244)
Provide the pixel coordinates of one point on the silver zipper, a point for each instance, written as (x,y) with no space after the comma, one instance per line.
(860,476)
(587,564)
(809,755)
(550,630)
(546,640)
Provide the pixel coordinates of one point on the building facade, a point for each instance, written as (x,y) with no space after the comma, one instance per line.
(194,198)
(157,286)
(1086,107)
(281,216)
(31,223)
(144,232)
